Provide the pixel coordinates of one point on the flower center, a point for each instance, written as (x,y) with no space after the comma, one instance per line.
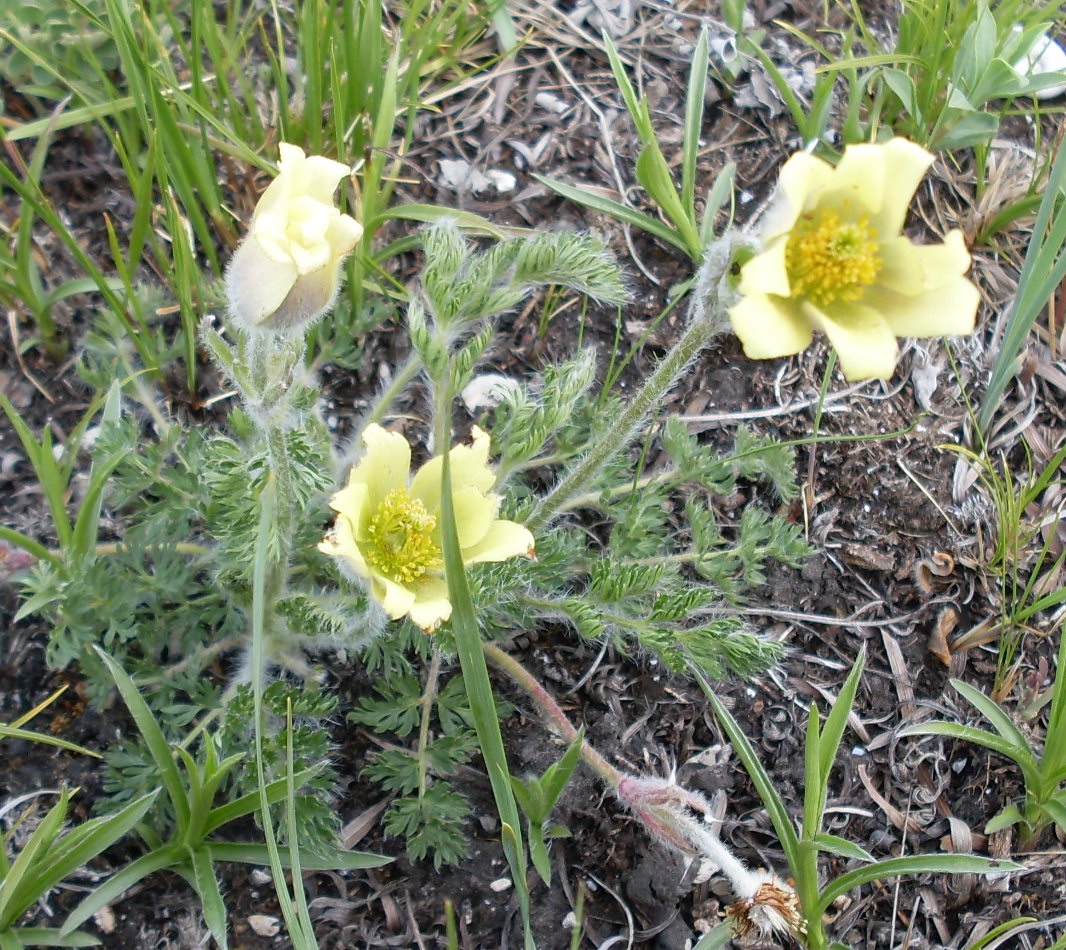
(401,547)
(828,260)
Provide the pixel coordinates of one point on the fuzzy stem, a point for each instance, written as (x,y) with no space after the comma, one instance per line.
(388,395)
(552,711)
(429,695)
(708,319)
(657,805)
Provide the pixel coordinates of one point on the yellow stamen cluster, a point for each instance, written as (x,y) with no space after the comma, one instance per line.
(829,261)
(401,543)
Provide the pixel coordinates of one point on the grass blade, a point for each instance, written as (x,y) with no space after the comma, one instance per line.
(479,691)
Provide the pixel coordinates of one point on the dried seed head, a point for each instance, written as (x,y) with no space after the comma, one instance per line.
(773,909)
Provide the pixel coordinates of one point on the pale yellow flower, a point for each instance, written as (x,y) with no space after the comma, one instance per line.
(833,260)
(388,526)
(286,272)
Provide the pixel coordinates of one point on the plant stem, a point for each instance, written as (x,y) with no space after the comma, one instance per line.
(429,695)
(552,711)
(707,321)
(388,395)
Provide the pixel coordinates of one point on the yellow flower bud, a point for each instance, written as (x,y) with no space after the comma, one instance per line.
(286,272)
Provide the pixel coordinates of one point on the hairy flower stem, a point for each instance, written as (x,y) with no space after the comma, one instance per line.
(429,696)
(384,400)
(707,320)
(657,804)
(552,711)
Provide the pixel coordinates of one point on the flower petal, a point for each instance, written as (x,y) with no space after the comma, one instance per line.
(470,469)
(948,310)
(256,282)
(385,465)
(311,295)
(343,234)
(474,513)
(913,269)
(800,179)
(352,501)
(322,175)
(865,345)
(858,182)
(503,540)
(431,606)
(770,326)
(394,599)
(340,543)
(905,166)
(766,273)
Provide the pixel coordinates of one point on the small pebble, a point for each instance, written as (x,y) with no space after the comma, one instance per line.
(500,885)
(265,926)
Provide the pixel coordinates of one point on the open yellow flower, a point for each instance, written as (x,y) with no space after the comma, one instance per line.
(286,272)
(388,526)
(833,260)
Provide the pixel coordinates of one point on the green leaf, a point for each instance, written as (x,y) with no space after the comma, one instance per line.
(211,904)
(1056,809)
(720,193)
(556,775)
(153,737)
(13,896)
(775,806)
(617,210)
(51,937)
(979,737)
(538,853)
(28,735)
(837,719)
(841,846)
(902,87)
(694,100)
(76,848)
(117,885)
(1008,816)
(247,804)
(972,128)
(999,719)
(479,690)
(715,939)
(258,854)
(913,864)
(814,791)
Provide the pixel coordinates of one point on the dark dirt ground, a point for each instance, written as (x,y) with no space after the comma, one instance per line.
(900,564)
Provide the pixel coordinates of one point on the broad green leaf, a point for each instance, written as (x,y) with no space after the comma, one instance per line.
(1006,817)
(258,854)
(117,885)
(153,737)
(913,864)
(617,210)
(211,903)
(775,806)
(841,846)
